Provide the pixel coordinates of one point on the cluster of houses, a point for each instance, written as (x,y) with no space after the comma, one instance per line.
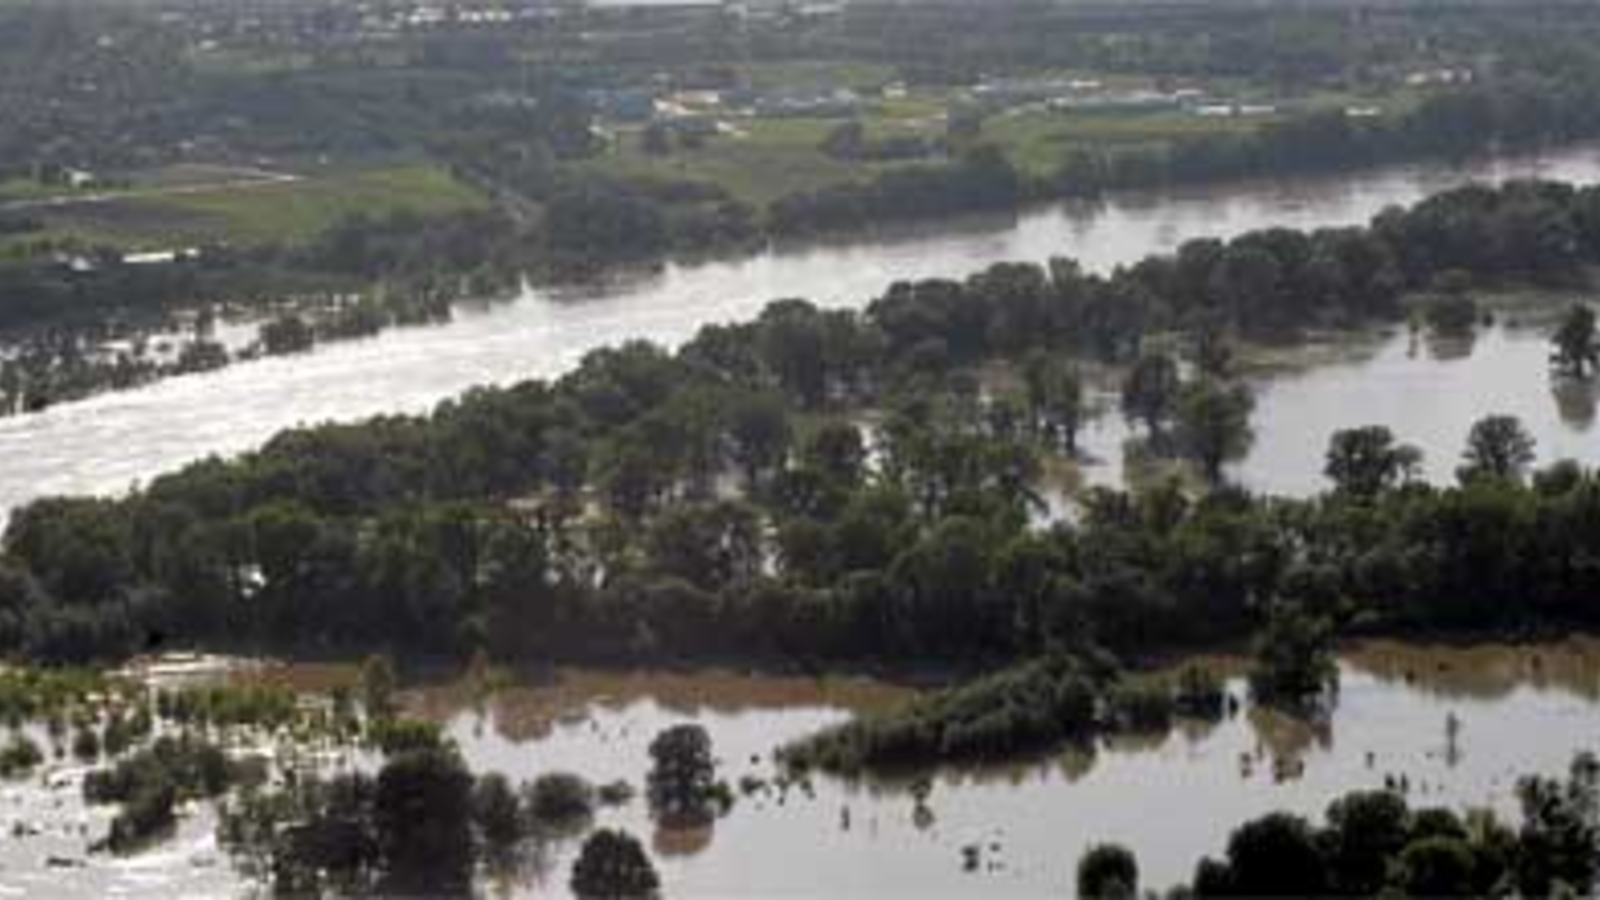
(702,112)
(1091,95)
(638,105)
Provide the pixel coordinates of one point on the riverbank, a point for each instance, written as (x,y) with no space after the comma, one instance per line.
(143,351)
(68,448)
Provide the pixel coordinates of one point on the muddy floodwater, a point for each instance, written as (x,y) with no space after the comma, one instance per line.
(1427,391)
(1170,796)
(107,443)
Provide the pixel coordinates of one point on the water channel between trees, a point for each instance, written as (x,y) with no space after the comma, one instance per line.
(108,442)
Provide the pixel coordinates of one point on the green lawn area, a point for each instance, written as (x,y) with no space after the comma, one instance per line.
(769,159)
(775,157)
(1037,141)
(26,189)
(816,75)
(264,213)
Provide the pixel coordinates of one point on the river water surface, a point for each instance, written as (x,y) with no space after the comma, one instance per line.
(1170,796)
(109,442)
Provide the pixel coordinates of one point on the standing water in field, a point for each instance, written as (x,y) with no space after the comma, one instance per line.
(1172,797)
(108,442)
(1449,724)
(1427,392)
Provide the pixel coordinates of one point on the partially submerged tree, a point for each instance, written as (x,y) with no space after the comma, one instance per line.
(613,865)
(1108,872)
(1364,462)
(1214,425)
(1576,345)
(1294,664)
(1150,391)
(1498,447)
(422,813)
(682,776)
(1056,402)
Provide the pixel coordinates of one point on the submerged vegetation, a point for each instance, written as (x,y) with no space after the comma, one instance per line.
(150,783)
(1030,708)
(810,489)
(1374,843)
(727,500)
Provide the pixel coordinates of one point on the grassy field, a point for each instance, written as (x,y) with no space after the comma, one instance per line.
(773,157)
(283,212)
(816,75)
(769,158)
(1038,141)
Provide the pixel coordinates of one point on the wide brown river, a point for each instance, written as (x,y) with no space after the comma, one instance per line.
(109,442)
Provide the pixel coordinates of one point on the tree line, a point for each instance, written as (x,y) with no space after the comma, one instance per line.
(828,483)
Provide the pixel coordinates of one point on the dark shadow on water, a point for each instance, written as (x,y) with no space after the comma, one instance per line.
(1283,739)
(682,842)
(1576,400)
(1452,346)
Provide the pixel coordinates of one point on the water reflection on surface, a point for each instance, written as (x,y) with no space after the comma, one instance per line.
(1455,725)
(1429,399)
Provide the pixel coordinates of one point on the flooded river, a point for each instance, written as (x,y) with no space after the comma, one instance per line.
(108,442)
(1171,796)
(1428,392)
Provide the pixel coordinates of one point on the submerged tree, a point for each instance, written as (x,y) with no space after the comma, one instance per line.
(378,683)
(1577,346)
(613,865)
(496,812)
(422,812)
(1363,462)
(1498,447)
(682,776)
(1150,392)
(1056,400)
(1214,425)
(1212,352)
(1108,872)
(1452,315)
(1294,662)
